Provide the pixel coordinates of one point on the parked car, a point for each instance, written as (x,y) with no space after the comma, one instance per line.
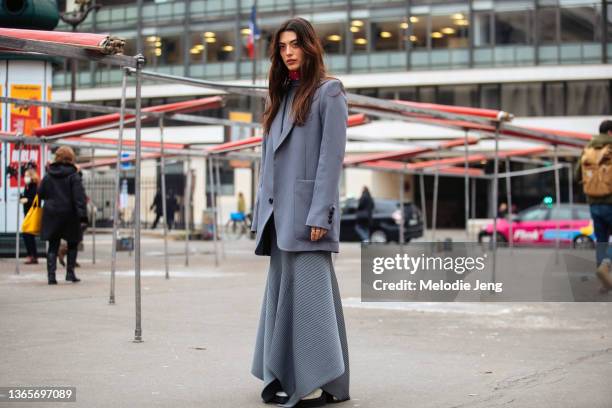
(538,226)
(386,219)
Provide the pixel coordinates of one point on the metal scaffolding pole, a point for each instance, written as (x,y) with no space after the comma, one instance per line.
(473,198)
(570,185)
(495,199)
(43,164)
(423,201)
(93,211)
(18,208)
(557,195)
(402,214)
(466,188)
(137,177)
(213,206)
(162,172)
(509,202)
(218,211)
(434,210)
(187,209)
(117,191)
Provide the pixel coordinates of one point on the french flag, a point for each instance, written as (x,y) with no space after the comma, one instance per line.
(253,34)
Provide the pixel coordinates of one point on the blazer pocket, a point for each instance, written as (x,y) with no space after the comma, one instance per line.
(302,197)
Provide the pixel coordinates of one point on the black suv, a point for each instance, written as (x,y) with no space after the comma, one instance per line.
(386,219)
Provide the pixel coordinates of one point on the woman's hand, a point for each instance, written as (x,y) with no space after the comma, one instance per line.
(317,233)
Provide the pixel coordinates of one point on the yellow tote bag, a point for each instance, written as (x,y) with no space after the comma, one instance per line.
(33,219)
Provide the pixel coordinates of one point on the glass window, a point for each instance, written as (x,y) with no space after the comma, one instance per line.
(489,96)
(349,206)
(213,46)
(534,214)
(578,24)
(420,34)
(609,22)
(547,25)
(359,34)
(513,27)
(166,50)
(458,95)
(387,93)
(389,35)
(332,37)
(450,31)
(522,99)
(588,98)
(384,206)
(583,213)
(561,213)
(408,94)
(554,99)
(197,51)
(483,29)
(427,94)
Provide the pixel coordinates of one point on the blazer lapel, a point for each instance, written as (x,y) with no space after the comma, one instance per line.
(287,125)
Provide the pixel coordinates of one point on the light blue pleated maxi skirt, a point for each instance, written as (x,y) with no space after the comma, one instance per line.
(301,338)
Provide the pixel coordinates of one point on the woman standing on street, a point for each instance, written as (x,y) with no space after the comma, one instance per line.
(64,210)
(301,351)
(27,199)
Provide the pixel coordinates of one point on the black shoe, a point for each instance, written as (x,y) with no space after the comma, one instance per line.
(329,398)
(71,256)
(51,268)
(277,399)
(72,278)
(320,401)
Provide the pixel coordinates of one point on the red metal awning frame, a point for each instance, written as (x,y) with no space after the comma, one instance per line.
(408,153)
(127,143)
(251,142)
(113,161)
(399,167)
(113,118)
(103,43)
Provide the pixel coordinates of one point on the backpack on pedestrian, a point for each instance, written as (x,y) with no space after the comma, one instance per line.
(596,166)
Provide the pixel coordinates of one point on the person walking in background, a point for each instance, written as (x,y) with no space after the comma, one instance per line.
(157,207)
(64,211)
(363,221)
(171,206)
(241,203)
(502,211)
(27,198)
(301,351)
(594,171)
(63,249)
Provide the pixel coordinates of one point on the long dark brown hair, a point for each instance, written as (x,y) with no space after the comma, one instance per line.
(312,72)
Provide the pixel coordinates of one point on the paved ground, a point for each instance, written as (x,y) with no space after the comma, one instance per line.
(199,330)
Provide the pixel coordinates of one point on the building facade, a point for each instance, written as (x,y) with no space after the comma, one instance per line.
(545,61)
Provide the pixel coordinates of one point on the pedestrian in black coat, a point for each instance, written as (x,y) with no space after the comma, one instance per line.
(364,215)
(64,210)
(27,199)
(157,207)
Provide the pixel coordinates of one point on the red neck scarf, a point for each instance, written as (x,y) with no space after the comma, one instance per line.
(294,75)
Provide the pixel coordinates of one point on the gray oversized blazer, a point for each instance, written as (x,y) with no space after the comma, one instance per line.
(300,172)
